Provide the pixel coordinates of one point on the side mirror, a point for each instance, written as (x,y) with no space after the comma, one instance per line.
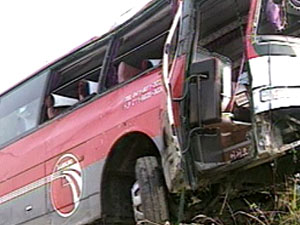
(211,91)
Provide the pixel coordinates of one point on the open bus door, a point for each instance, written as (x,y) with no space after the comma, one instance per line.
(173,80)
(205,92)
(213,137)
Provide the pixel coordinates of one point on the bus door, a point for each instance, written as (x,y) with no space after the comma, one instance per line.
(216,136)
(22,174)
(173,68)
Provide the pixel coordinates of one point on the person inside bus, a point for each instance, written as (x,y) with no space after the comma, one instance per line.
(275,14)
(273,19)
(83,90)
(57,103)
(51,111)
(86,89)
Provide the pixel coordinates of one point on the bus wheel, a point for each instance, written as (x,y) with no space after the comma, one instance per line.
(149,194)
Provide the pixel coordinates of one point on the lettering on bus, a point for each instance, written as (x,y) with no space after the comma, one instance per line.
(143,94)
(66,185)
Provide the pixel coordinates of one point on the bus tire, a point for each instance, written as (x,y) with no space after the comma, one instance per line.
(149,193)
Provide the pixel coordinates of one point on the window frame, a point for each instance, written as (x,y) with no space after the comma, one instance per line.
(40,106)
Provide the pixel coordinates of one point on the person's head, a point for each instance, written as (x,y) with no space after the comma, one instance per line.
(49,101)
(83,89)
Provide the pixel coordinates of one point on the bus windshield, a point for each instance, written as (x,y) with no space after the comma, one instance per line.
(279,17)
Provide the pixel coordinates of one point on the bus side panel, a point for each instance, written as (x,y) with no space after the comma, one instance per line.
(63,160)
(22,181)
(82,140)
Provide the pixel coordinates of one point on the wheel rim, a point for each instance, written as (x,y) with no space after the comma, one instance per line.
(137,202)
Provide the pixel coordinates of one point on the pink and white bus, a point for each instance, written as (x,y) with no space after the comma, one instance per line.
(187,96)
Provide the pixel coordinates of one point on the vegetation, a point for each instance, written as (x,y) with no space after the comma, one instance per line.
(276,206)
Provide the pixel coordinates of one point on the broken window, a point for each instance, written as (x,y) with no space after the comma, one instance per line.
(74,80)
(141,48)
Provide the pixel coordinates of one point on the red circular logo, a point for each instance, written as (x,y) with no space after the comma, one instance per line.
(66,185)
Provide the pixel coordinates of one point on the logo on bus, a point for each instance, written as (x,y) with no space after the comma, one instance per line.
(66,185)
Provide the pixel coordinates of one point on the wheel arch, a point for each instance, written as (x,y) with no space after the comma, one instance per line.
(119,174)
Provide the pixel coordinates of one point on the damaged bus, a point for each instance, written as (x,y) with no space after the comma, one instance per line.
(186,101)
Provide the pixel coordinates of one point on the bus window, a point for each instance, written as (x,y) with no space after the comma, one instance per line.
(126,71)
(141,49)
(278,18)
(20,108)
(73,81)
(135,60)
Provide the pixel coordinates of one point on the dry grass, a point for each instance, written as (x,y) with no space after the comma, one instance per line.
(286,211)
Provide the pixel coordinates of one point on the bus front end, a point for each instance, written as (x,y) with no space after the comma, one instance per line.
(240,112)
(273,58)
